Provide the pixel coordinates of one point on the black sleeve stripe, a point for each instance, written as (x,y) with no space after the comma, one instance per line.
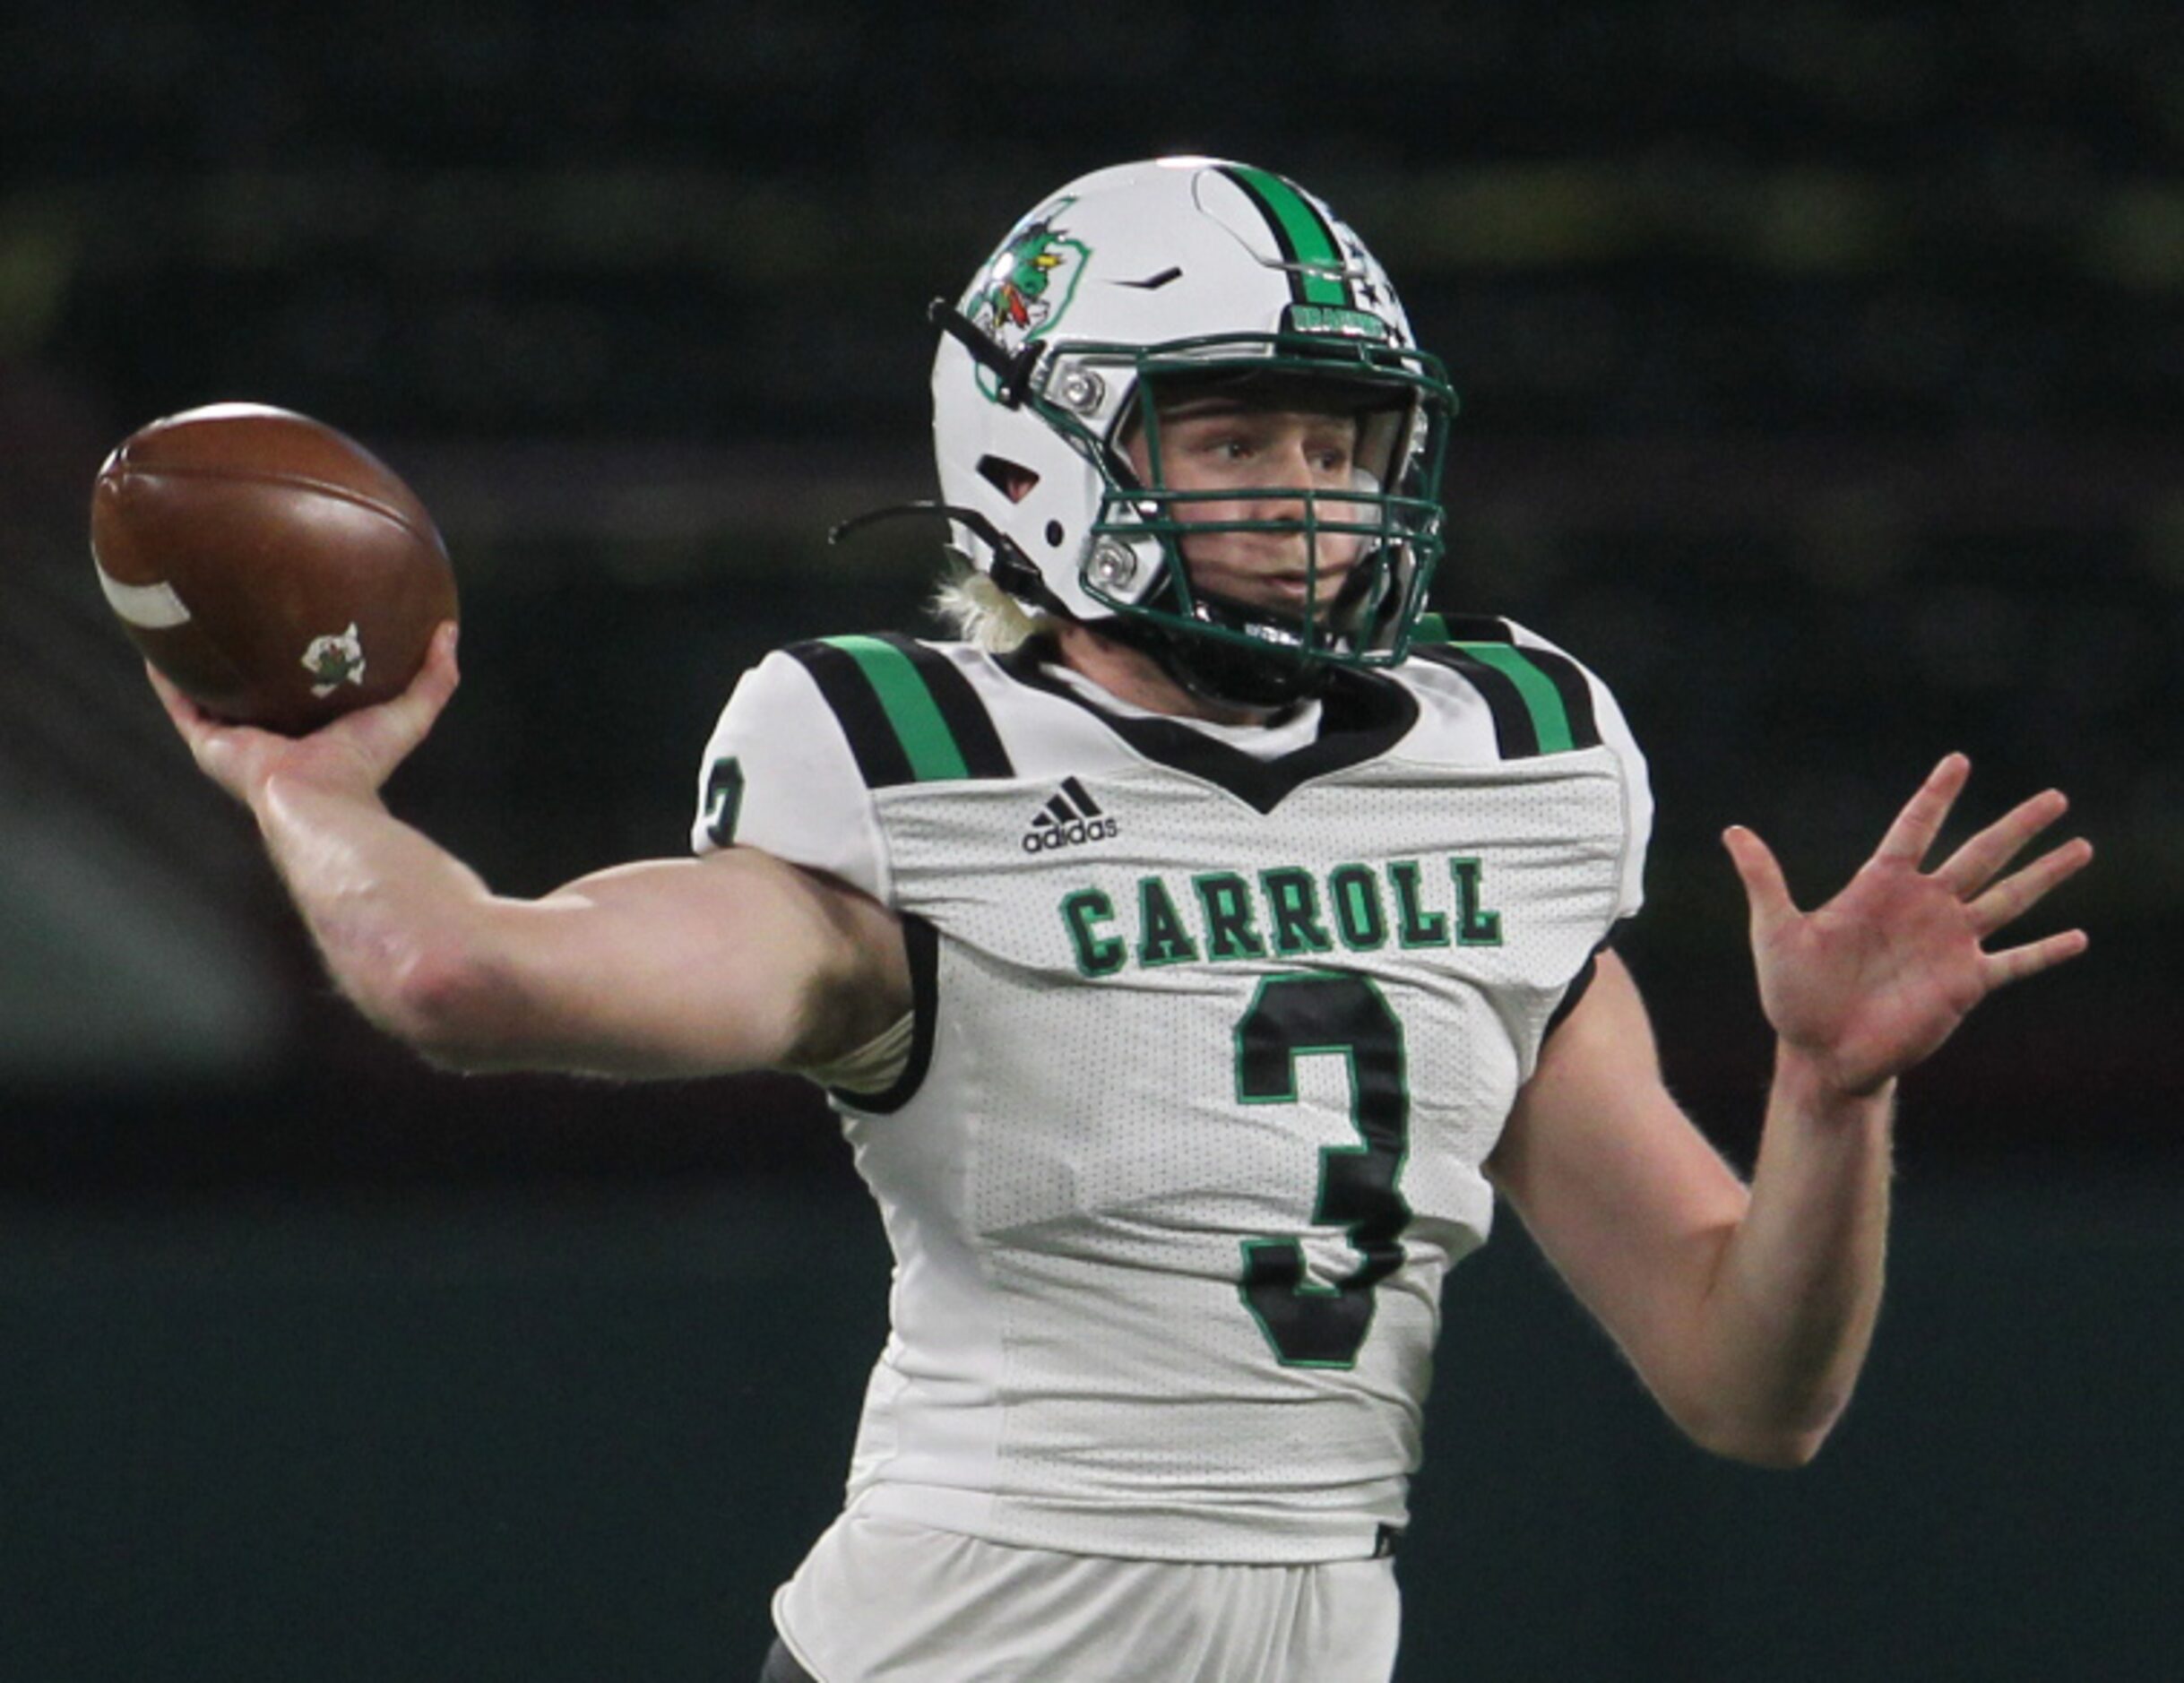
(1433,628)
(880,755)
(1574,688)
(1579,985)
(967,721)
(1513,730)
(1516,722)
(922,942)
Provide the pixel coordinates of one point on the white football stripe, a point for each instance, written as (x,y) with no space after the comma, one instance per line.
(148,607)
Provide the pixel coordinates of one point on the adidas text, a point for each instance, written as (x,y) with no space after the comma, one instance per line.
(1047,838)
(1070,818)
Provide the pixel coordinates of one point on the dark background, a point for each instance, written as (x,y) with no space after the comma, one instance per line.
(1823,369)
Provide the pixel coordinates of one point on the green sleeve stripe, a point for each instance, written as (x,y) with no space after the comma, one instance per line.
(926,739)
(1304,236)
(1550,719)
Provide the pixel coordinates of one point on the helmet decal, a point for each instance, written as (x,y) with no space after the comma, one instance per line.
(1027,286)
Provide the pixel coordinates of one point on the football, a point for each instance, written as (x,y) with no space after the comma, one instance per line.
(278,572)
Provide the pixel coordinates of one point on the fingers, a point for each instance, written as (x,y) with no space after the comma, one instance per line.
(192,720)
(1970,873)
(179,707)
(1920,821)
(2014,895)
(434,686)
(198,727)
(379,738)
(439,667)
(360,749)
(223,752)
(1764,890)
(2017,962)
(1979,860)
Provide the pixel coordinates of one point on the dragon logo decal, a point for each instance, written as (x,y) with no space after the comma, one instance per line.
(1027,286)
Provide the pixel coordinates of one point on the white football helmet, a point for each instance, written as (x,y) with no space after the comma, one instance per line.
(1150,277)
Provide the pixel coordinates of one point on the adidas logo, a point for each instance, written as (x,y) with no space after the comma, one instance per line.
(1069,820)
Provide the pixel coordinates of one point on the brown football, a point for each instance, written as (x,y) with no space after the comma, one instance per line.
(276,571)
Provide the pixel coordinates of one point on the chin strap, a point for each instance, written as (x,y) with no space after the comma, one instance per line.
(1216,670)
(1253,674)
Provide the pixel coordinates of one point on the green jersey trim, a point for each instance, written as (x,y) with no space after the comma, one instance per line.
(1550,719)
(909,715)
(1541,699)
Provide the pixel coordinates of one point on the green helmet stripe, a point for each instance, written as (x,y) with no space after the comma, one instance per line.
(1304,235)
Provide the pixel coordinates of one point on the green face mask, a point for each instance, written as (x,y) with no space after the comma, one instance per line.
(1383,523)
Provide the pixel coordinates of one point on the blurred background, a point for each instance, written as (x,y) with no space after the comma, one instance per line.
(1823,367)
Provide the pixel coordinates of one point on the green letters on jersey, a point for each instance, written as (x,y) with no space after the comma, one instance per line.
(1289,912)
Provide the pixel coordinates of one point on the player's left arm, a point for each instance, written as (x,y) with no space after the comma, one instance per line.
(1748,1311)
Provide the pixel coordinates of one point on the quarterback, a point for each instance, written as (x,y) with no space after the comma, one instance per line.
(1195,949)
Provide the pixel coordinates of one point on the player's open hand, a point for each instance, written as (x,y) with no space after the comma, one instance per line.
(358,752)
(1873,981)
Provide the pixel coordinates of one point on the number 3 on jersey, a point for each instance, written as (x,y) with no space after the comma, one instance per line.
(1293,1016)
(723,800)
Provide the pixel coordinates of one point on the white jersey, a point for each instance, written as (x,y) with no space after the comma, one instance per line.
(1208,1051)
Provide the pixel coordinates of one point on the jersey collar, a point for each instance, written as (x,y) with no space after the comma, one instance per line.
(1362,715)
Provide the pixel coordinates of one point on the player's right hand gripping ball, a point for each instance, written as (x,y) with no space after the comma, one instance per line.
(278,572)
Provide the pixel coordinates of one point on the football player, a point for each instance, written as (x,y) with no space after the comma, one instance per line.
(1193,950)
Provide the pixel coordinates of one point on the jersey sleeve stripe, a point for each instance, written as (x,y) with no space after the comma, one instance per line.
(1550,719)
(970,726)
(1573,689)
(1514,732)
(925,740)
(881,760)
(1542,702)
(1433,628)
(921,943)
(1576,989)
(910,717)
